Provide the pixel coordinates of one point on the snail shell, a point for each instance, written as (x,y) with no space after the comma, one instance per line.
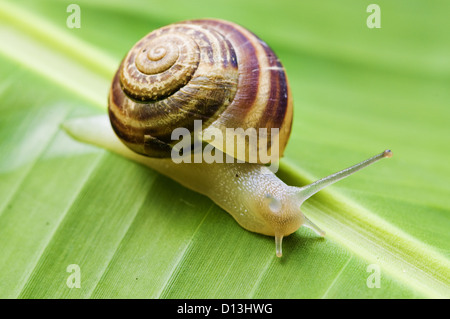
(209,70)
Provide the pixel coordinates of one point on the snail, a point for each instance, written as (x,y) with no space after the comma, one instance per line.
(219,75)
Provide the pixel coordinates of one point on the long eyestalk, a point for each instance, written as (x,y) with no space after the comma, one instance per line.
(307,191)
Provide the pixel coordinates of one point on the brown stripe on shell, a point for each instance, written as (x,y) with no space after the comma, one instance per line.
(117,107)
(277,104)
(278,99)
(225,47)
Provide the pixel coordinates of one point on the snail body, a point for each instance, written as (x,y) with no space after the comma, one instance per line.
(221,74)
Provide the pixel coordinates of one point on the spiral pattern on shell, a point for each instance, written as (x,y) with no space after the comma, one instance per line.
(209,70)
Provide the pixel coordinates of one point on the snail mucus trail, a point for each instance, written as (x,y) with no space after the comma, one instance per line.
(222,74)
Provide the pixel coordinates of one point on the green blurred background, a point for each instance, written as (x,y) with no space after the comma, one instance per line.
(356,92)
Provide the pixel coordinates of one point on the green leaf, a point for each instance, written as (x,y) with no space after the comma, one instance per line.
(137,234)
